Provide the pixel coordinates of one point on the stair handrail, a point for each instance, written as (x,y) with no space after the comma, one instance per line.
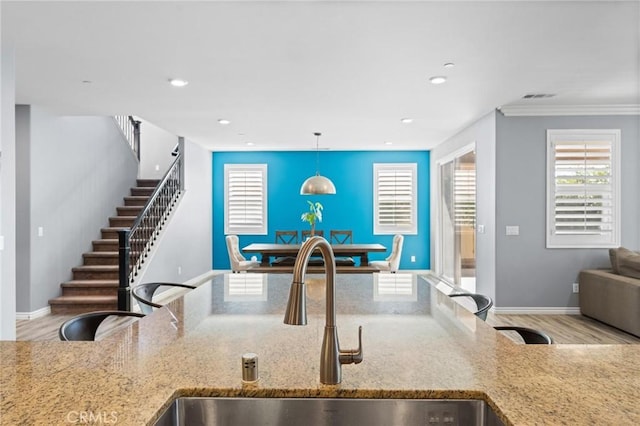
(134,243)
(131,130)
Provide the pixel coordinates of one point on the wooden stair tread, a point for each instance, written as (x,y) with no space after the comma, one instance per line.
(110,241)
(81,283)
(87,299)
(95,268)
(147,183)
(118,228)
(106,240)
(142,191)
(128,209)
(101,253)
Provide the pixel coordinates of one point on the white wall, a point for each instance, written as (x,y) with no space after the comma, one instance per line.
(186,242)
(7,195)
(79,170)
(528,273)
(156,145)
(483,133)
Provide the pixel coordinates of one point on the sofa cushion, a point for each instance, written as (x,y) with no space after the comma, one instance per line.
(628,263)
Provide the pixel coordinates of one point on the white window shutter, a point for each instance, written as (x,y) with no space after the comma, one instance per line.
(583,189)
(245,199)
(395,198)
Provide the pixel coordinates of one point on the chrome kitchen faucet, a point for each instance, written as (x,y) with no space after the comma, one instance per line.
(331,357)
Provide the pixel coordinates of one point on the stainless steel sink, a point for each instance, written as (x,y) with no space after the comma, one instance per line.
(328,412)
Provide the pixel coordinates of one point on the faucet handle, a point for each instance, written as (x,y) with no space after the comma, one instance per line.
(353,356)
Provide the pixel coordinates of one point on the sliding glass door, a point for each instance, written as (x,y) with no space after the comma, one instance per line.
(457,219)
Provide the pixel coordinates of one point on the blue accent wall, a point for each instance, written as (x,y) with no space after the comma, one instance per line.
(351,207)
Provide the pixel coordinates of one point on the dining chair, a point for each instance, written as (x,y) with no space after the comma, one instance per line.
(529,335)
(483,303)
(285,237)
(314,260)
(306,233)
(391,263)
(344,236)
(237,260)
(83,327)
(143,293)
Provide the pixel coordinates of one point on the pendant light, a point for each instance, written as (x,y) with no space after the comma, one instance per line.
(317,184)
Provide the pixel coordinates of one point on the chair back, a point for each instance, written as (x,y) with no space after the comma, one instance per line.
(343,236)
(483,303)
(83,327)
(396,253)
(233,248)
(143,293)
(306,233)
(529,335)
(286,237)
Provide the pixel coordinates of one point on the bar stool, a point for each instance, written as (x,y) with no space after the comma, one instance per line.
(483,303)
(529,335)
(143,293)
(83,327)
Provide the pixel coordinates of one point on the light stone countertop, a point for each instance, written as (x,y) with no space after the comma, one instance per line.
(425,346)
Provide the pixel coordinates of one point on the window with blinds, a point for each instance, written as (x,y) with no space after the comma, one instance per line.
(464,192)
(245,197)
(395,198)
(582,188)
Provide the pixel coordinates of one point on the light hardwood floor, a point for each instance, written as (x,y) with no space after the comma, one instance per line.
(46,328)
(565,329)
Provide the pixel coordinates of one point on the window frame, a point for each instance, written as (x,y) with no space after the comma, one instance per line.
(578,240)
(381,229)
(246,229)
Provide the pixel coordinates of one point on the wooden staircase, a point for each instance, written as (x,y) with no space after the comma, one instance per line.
(94,286)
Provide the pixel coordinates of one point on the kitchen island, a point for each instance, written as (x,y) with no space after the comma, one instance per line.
(418,343)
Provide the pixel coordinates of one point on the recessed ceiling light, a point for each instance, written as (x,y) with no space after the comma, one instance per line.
(224,121)
(388,143)
(406,120)
(439,79)
(177,82)
(250,144)
(449,65)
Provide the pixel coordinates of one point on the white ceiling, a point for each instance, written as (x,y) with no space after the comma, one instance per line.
(351,70)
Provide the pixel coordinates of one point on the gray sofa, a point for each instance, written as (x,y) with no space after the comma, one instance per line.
(613,296)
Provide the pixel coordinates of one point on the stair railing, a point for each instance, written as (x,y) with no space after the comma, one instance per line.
(134,244)
(131,129)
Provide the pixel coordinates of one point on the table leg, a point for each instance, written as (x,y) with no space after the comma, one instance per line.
(266,260)
(364,259)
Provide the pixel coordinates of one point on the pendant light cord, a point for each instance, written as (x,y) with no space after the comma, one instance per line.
(317,153)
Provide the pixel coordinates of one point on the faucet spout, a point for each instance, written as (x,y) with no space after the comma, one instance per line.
(331,357)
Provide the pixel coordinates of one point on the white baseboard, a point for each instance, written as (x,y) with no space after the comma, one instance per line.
(33,315)
(536,311)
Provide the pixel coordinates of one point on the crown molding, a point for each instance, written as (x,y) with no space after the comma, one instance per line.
(540,110)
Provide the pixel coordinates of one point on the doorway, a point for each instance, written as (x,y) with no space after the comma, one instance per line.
(457,218)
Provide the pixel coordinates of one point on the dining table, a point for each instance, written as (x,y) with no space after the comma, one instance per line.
(267,250)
